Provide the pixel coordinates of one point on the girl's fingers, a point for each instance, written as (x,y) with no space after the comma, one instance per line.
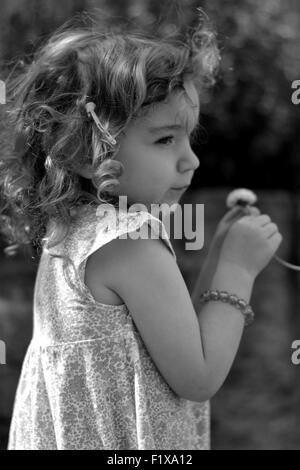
(270,229)
(263,220)
(239,211)
(251,210)
(254,211)
(236,210)
(248,210)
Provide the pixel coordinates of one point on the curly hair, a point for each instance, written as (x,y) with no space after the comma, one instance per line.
(123,72)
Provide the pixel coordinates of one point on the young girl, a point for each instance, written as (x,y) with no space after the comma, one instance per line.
(121,356)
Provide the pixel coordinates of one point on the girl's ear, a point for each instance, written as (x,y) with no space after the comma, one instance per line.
(85,170)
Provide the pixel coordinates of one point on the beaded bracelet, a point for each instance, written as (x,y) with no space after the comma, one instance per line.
(232,299)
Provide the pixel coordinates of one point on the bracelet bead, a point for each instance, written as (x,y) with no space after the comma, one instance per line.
(205,296)
(242,303)
(223,296)
(233,299)
(214,295)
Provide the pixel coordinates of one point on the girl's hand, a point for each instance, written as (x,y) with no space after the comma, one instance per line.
(251,243)
(226,222)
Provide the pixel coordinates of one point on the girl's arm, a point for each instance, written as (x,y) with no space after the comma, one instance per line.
(193,354)
(221,325)
(205,277)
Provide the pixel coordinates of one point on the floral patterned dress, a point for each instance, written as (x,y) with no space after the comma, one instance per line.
(87,380)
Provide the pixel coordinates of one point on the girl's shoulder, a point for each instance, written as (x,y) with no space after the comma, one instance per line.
(114,224)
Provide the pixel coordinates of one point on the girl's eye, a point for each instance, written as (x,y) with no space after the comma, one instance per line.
(168,139)
(165,140)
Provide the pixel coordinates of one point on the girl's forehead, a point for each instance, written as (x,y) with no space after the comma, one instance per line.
(179,109)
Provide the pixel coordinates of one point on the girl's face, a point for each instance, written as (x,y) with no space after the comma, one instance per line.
(156,153)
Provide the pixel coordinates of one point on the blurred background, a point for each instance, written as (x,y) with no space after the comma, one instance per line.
(250,139)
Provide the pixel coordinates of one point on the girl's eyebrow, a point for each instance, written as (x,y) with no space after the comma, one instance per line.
(168,127)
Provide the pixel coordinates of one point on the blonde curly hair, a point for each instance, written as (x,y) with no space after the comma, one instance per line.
(123,72)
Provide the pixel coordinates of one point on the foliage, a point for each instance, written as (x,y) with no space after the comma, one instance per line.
(250,136)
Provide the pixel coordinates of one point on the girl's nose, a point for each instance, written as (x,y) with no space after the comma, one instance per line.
(189,162)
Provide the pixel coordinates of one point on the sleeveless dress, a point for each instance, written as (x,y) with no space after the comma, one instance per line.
(87,379)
